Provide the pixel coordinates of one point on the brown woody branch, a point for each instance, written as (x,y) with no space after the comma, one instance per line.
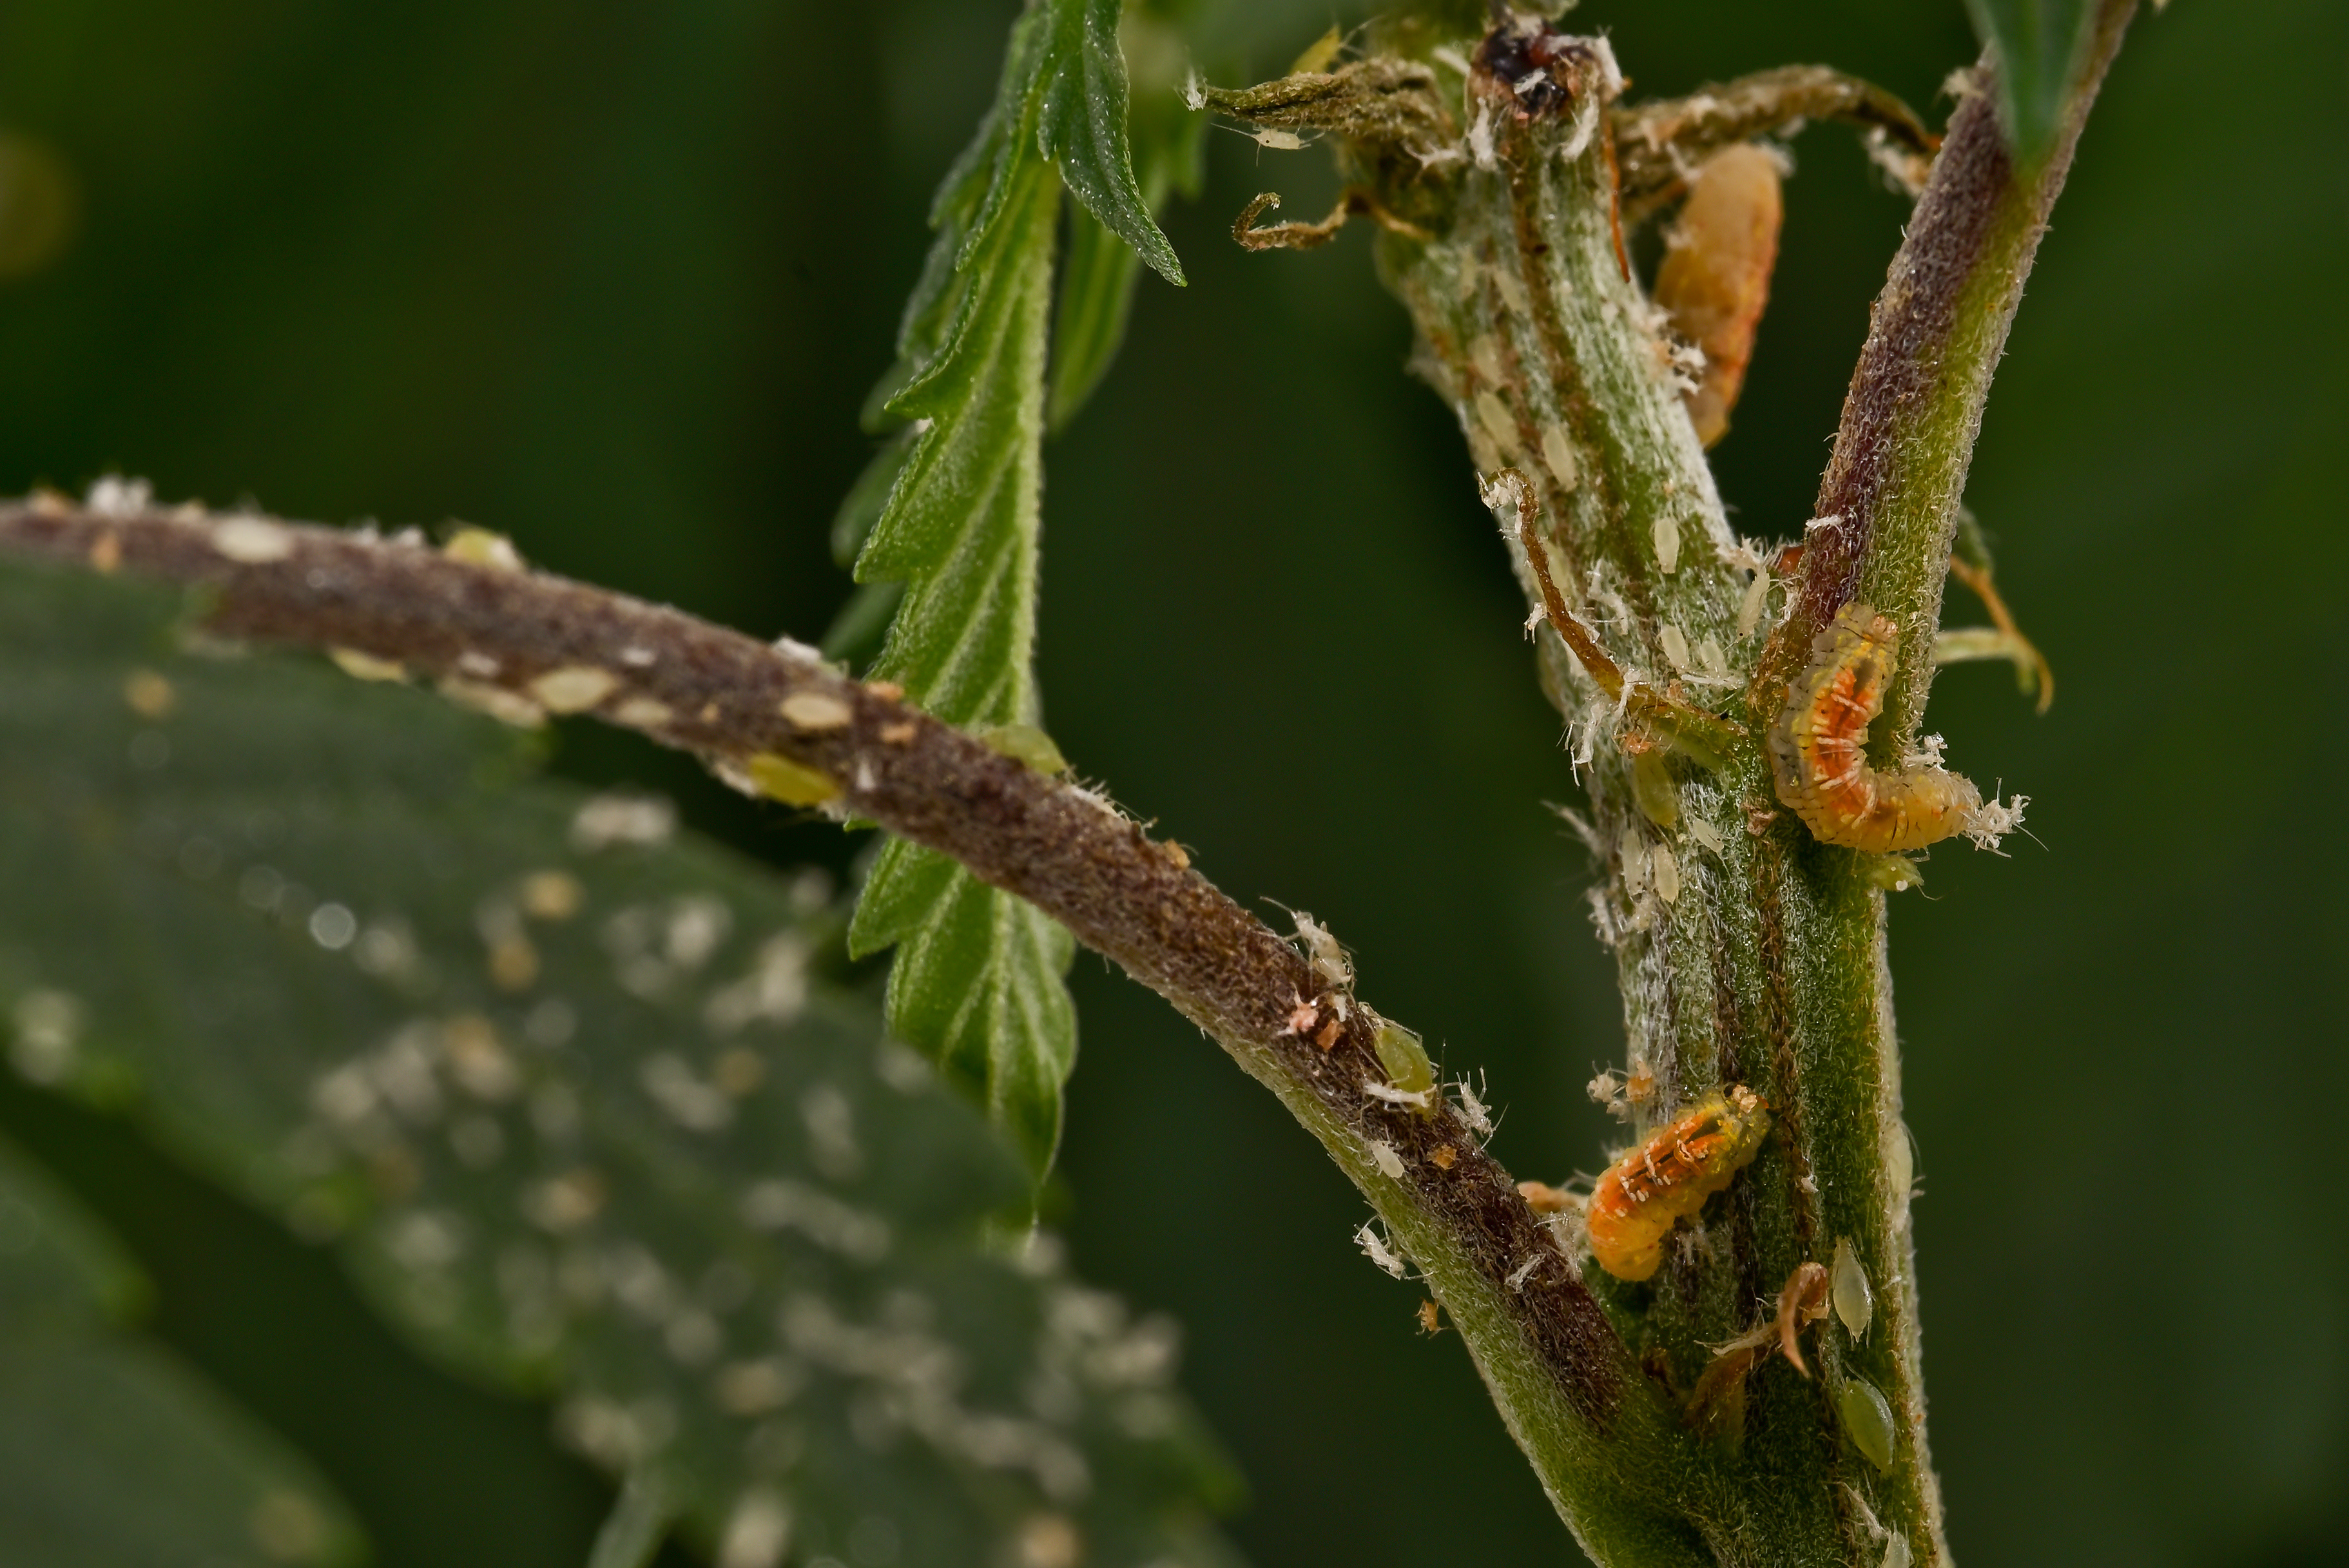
(1657,145)
(521,641)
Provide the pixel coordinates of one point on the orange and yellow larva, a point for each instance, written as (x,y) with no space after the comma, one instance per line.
(1715,277)
(1668,1178)
(1819,748)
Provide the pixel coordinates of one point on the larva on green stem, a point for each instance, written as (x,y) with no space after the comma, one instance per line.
(1668,1178)
(1818,749)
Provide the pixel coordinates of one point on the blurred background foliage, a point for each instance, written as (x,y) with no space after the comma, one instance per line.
(613,279)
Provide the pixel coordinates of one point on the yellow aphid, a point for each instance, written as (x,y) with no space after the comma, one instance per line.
(1667,1178)
(1818,749)
(1715,277)
(783,779)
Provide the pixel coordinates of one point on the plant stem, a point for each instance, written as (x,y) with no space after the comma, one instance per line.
(1914,409)
(1562,1376)
(1747,951)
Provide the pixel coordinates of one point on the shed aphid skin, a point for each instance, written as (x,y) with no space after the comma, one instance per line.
(1329,961)
(1818,749)
(1801,1304)
(1715,277)
(1668,1178)
(1375,1248)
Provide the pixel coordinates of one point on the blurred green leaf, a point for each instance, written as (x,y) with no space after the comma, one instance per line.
(573,1094)
(112,1454)
(2040,44)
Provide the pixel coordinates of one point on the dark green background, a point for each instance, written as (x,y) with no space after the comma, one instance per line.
(614,278)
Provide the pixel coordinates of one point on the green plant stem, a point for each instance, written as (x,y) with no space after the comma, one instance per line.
(1759,957)
(1910,420)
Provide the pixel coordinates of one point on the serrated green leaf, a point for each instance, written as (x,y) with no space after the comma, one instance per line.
(961,531)
(2040,46)
(1081,123)
(1097,281)
(1010,1038)
(862,507)
(961,525)
(581,1106)
(112,1453)
(984,993)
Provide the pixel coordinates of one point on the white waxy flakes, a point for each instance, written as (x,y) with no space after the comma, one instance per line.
(252,541)
(757,1533)
(831,1122)
(1558,453)
(573,689)
(1666,871)
(506,707)
(1675,642)
(777,1204)
(332,926)
(49,1035)
(551,895)
(623,817)
(480,665)
(638,658)
(756,1387)
(1757,595)
(366,666)
(1383,1155)
(115,496)
(426,1239)
(643,713)
(816,711)
(1667,533)
(564,1202)
(687,1100)
(1493,415)
(344,1095)
(1480,138)
(693,1337)
(479,1063)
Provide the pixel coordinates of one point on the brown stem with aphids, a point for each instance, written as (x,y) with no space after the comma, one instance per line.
(523,642)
